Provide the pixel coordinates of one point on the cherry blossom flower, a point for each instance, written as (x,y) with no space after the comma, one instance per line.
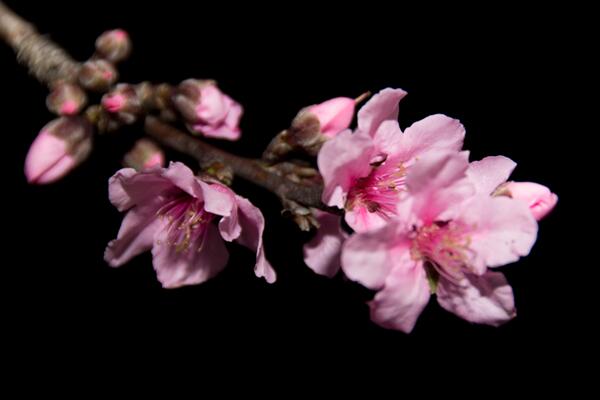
(171,212)
(365,171)
(207,110)
(443,240)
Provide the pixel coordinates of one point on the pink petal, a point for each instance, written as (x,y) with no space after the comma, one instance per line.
(322,253)
(369,257)
(437,186)
(388,137)
(383,106)
(361,220)
(253,225)
(334,115)
(217,198)
(213,106)
(219,132)
(136,234)
(127,187)
(188,267)
(486,299)
(47,159)
(538,197)
(436,132)
(490,173)
(403,298)
(342,160)
(502,230)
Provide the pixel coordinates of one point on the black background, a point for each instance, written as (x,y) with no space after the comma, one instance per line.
(498,71)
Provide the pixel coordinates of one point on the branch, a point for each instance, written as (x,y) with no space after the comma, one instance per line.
(49,63)
(252,170)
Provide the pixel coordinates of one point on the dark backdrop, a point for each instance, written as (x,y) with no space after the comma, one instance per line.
(488,68)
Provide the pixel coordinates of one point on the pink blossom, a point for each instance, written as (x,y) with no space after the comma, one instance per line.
(61,145)
(444,239)
(365,172)
(171,212)
(334,115)
(490,177)
(322,253)
(208,110)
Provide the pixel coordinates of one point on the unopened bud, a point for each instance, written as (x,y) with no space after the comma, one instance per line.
(145,154)
(207,110)
(312,127)
(334,115)
(538,197)
(66,99)
(123,103)
(97,75)
(61,145)
(114,45)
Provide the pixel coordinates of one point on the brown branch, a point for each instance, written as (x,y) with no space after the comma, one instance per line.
(252,170)
(49,63)
(45,60)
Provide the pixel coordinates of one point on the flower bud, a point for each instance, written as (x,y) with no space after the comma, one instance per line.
(114,45)
(207,110)
(334,115)
(123,103)
(60,146)
(66,99)
(539,198)
(145,154)
(97,75)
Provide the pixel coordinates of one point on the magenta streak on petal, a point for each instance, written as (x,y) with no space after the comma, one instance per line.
(378,192)
(188,222)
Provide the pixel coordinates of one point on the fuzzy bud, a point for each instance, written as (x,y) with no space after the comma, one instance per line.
(61,145)
(115,45)
(66,99)
(123,103)
(97,75)
(145,154)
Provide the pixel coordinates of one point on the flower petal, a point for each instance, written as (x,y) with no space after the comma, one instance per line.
(403,298)
(486,299)
(369,257)
(253,224)
(127,187)
(436,132)
(490,172)
(341,160)
(191,266)
(437,186)
(136,233)
(322,253)
(383,106)
(501,230)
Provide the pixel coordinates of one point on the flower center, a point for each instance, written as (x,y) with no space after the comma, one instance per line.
(378,192)
(445,246)
(187,222)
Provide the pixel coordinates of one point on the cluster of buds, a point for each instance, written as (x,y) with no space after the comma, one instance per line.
(99,73)
(66,142)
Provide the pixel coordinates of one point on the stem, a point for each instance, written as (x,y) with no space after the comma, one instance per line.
(49,63)
(252,170)
(45,60)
